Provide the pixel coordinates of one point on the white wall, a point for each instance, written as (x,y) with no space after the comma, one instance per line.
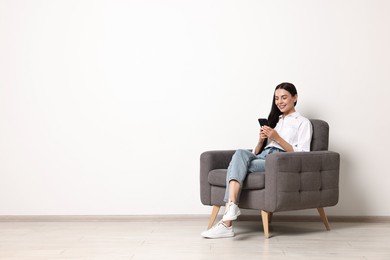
(105,106)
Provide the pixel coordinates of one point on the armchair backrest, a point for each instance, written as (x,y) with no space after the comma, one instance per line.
(320,139)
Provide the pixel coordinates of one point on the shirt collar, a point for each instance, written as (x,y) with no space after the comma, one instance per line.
(294,115)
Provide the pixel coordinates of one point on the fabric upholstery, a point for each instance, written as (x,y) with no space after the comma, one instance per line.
(254,181)
(209,161)
(301,180)
(320,138)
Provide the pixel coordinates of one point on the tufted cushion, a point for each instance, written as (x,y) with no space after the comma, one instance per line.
(253,181)
(304,180)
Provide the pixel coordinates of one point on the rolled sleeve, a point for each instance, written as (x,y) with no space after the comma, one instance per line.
(305,132)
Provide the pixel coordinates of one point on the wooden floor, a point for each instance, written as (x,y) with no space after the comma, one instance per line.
(180,239)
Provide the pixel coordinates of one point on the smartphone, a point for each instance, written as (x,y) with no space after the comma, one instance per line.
(263,121)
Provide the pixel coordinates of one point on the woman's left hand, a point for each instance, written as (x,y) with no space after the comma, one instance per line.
(271,133)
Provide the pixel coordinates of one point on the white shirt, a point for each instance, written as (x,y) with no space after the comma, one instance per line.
(295,130)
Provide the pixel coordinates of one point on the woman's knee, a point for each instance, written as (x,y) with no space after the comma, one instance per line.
(241,153)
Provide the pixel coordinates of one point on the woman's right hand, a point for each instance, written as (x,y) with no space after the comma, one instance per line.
(262,137)
(262,134)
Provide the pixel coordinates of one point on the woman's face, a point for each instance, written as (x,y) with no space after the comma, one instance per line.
(285,101)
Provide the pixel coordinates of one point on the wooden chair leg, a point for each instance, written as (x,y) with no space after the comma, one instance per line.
(270,215)
(214,215)
(265,219)
(324,218)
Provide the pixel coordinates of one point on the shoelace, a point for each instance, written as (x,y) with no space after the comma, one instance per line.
(219,223)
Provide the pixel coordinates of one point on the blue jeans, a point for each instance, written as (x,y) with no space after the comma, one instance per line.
(244,162)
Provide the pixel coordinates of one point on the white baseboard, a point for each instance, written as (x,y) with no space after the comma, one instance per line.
(167,218)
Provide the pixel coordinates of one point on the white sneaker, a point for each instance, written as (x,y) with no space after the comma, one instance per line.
(220,230)
(231,212)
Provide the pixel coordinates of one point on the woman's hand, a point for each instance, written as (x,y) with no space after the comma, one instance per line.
(274,136)
(262,135)
(270,133)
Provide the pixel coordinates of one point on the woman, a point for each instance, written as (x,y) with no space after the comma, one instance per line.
(288,131)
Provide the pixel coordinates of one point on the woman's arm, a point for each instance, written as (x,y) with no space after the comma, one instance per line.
(260,143)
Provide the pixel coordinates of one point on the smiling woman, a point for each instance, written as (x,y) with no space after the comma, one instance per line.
(288,131)
(283,105)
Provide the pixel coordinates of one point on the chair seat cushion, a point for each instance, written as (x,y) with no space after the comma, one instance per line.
(253,181)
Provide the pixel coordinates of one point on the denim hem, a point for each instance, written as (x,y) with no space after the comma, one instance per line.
(227,187)
(234,179)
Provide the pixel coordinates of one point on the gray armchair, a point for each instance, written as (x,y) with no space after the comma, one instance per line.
(291,181)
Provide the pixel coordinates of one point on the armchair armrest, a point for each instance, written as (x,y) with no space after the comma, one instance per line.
(211,160)
(301,180)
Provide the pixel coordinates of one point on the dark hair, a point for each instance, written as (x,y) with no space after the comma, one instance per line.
(273,116)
